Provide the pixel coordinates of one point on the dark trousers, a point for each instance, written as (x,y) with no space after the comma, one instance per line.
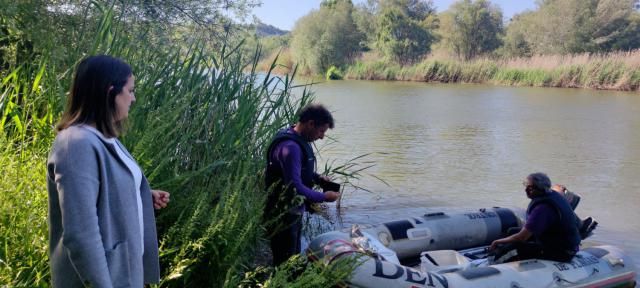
(286,241)
(528,250)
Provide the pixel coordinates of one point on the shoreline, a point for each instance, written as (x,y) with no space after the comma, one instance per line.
(616,71)
(599,74)
(493,84)
(319,78)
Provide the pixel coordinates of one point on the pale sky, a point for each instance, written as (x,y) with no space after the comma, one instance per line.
(284,13)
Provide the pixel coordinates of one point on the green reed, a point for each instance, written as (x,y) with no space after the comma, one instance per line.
(199,128)
(23,218)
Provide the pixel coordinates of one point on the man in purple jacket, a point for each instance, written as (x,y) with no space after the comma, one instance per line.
(290,177)
(550,232)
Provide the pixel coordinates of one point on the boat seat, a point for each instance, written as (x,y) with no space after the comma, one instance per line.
(441,259)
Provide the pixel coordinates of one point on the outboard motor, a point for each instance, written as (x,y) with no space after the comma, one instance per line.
(586,226)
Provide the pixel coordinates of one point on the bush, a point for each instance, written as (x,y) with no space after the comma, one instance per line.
(334,73)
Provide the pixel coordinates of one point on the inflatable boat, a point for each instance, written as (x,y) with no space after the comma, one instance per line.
(448,250)
(599,266)
(437,230)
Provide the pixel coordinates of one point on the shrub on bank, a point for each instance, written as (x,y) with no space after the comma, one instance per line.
(333,73)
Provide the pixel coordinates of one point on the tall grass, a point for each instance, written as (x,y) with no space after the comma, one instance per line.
(27,107)
(199,128)
(299,273)
(28,103)
(203,131)
(613,71)
(23,218)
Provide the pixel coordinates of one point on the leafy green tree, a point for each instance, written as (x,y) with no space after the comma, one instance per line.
(26,26)
(574,26)
(472,28)
(628,39)
(364,17)
(25,30)
(326,37)
(516,39)
(580,26)
(405,29)
(612,25)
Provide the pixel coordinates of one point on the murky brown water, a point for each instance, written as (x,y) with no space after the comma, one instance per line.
(472,145)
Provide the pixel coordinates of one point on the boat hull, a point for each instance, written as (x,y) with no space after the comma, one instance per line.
(599,266)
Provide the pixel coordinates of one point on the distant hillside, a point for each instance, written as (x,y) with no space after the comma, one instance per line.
(264,30)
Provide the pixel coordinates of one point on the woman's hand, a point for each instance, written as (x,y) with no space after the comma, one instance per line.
(160,198)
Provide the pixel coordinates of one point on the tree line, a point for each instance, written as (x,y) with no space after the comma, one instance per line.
(405,31)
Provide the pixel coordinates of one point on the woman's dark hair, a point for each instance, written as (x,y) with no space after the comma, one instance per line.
(91,99)
(316,112)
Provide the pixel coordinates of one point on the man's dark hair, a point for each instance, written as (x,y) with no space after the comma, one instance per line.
(91,99)
(540,181)
(316,112)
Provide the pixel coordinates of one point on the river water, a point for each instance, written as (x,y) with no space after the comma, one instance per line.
(471,146)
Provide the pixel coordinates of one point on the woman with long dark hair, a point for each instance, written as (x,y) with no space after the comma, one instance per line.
(101,221)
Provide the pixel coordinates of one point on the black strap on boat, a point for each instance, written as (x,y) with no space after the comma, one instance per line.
(431,259)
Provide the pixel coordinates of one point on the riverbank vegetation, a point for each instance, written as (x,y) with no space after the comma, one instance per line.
(198,129)
(560,43)
(615,71)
